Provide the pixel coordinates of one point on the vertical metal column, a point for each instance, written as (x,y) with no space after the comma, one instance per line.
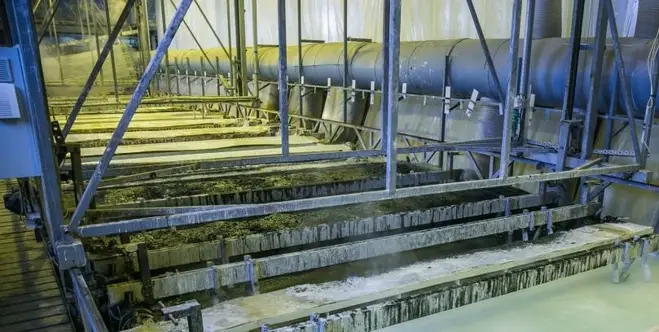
(57,45)
(163,19)
(526,64)
(142,15)
(283,78)
(98,48)
(390,95)
(613,103)
(568,99)
(345,61)
(385,81)
(98,67)
(112,61)
(231,59)
(255,48)
(300,60)
(24,36)
(241,50)
(128,114)
(442,132)
(85,5)
(649,116)
(511,91)
(82,26)
(590,121)
(622,73)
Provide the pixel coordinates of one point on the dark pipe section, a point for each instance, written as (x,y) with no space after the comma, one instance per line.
(422,67)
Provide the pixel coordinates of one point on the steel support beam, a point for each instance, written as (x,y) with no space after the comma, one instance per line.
(112,60)
(592,110)
(241,48)
(255,48)
(142,17)
(385,82)
(233,67)
(486,49)
(649,113)
(127,116)
(84,300)
(25,37)
(50,15)
(58,48)
(627,182)
(390,96)
(511,91)
(345,61)
(202,217)
(98,67)
(163,19)
(300,61)
(566,127)
(524,88)
(283,78)
(622,73)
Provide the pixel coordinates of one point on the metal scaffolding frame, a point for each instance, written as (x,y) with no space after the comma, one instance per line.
(389,134)
(509,148)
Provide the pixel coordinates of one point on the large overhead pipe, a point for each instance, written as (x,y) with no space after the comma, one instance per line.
(422,67)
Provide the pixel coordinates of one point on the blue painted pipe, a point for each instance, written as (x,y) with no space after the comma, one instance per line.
(422,67)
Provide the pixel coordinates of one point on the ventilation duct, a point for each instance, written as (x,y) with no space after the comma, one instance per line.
(422,67)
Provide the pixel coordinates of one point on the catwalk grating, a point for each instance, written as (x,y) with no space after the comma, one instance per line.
(30,298)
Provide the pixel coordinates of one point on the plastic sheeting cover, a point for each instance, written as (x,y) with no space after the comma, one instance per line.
(421,20)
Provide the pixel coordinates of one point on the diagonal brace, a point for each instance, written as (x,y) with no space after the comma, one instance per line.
(486,50)
(131,108)
(47,20)
(623,79)
(98,66)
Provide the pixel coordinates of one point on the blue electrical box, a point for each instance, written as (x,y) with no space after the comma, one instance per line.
(18,148)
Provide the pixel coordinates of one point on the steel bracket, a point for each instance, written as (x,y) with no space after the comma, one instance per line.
(70,254)
(190,309)
(319,324)
(250,270)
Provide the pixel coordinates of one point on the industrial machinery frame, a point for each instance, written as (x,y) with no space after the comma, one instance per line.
(515,99)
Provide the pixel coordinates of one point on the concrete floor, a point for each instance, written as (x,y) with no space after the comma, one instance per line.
(585,302)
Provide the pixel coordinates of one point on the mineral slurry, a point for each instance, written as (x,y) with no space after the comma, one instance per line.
(583,303)
(305,297)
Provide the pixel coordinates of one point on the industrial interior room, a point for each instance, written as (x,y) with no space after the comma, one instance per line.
(329,165)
